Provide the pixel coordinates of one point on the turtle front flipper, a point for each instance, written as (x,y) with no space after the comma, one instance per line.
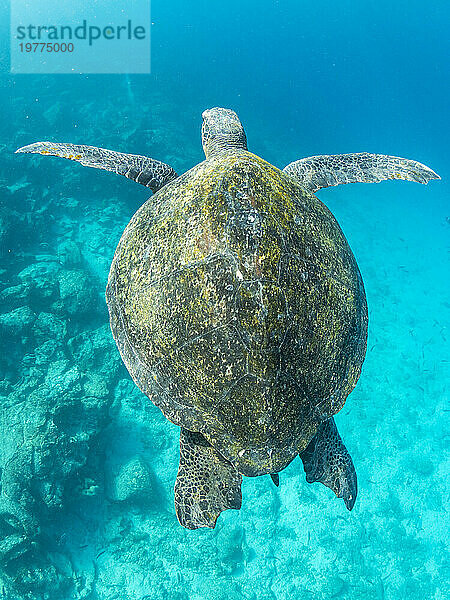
(206,483)
(147,171)
(317,172)
(327,460)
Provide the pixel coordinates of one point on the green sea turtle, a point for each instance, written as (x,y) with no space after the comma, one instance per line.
(239,309)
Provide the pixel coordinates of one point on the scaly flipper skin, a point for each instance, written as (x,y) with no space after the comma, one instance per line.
(327,460)
(316,172)
(206,483)
(146,171)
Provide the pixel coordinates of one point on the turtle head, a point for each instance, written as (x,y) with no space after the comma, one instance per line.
(222,131)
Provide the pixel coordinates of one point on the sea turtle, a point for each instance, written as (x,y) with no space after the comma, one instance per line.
(239,309)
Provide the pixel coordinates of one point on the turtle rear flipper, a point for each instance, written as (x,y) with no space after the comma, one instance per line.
(275,478)
(206,483)
(327,460)
(149,172)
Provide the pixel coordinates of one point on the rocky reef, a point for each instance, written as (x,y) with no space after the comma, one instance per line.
(61,375)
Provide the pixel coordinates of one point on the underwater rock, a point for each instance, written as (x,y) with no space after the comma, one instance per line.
(133,483)
(39,272)
(36,578)
(95,385)
(49,351)
(16,322)
(45,257)
(69,254)
(95,350)
(41,280)
(18,529)
(13,297)
(47,326)
(52,429)
(62,378)
(19,523)
(76,292)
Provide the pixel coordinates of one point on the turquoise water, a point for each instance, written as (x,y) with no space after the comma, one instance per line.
(76,521)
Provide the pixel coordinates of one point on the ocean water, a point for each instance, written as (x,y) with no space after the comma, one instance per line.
(87,462)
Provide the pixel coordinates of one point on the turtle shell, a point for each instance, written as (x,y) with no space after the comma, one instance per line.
(239,310)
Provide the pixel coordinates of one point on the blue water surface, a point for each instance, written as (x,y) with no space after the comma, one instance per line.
(88,464)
